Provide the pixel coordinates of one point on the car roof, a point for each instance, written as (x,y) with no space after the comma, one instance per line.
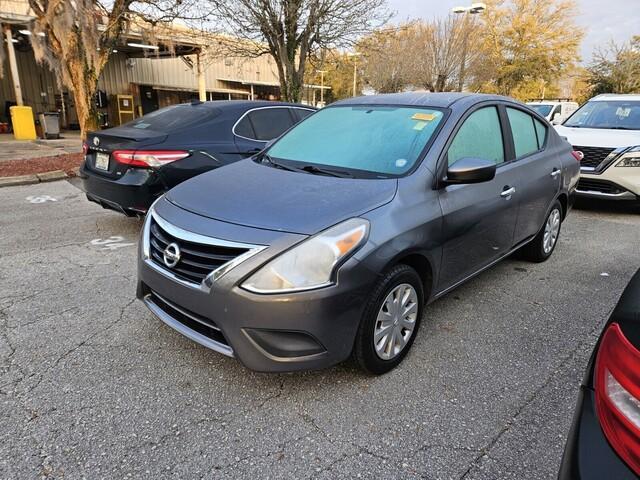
(243,105)
(426,99)
(616,96)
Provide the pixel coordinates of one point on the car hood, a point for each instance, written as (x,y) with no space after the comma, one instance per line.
(599,137)
(250,194)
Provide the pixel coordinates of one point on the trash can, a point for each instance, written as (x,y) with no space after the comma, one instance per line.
(23,125)
(50,122)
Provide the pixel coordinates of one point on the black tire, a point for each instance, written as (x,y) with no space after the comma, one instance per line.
(534,250)
(364,351)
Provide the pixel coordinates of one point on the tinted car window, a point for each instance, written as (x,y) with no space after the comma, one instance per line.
(244,128)
(375,139)
(176,116)
(541,131)
(480,136)
(525,138)
(269,123)
(300,113)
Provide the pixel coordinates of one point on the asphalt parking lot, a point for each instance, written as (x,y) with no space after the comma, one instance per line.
(93,386)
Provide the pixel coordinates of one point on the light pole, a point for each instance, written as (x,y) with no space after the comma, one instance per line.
(322,72)
(474,8)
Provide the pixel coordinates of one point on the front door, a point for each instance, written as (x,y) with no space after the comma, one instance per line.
(478,219)
(148,99)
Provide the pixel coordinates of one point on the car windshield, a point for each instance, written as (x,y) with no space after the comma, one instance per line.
(169,118)
(542,108)
(616,114)
(379,140)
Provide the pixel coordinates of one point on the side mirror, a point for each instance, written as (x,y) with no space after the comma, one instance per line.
(471,170)
(556,119)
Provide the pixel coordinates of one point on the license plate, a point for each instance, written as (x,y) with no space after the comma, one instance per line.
(102,161)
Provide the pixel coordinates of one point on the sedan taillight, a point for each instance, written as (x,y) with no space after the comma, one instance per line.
(617,384)
(148,158)
(578,155)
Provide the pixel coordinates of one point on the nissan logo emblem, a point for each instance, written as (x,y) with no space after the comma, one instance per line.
(96,141)
(171,255)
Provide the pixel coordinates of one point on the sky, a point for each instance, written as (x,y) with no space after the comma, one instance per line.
(602,20)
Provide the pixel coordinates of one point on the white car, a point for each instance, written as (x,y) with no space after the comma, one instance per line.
(606,130)
(554,111)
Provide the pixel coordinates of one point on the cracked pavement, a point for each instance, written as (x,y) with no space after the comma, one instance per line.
(93,386)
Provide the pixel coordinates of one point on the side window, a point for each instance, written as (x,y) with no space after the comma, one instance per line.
(541,132)
(269,123)
(479,136)
(525,139)
(300,113)
(244,128)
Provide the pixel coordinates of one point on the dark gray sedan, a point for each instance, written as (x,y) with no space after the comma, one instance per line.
(330,242)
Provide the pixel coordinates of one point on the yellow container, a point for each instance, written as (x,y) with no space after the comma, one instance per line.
(24,127)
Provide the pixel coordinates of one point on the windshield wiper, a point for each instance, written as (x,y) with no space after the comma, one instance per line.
(271,161)
(618,127)
(325,171)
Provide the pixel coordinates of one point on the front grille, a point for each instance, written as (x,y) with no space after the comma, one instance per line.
(593,156)
(197,260)
(189,319)
(601,186)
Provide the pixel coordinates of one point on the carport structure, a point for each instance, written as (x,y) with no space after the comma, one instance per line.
(176,65)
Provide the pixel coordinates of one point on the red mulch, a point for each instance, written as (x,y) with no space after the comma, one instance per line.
(68,162)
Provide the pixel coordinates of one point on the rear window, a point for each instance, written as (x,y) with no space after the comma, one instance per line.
(170,118)
(301,113)
(525,137)
(269,123)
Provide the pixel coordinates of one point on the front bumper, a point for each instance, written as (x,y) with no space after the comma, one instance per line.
(131,194)
(270,333)
(588,455)
(614,183)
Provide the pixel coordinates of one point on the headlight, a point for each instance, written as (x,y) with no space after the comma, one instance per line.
(631,158)
(311,263)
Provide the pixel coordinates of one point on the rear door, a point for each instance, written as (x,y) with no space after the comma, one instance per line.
(260,125)
(478,219)
(539,168)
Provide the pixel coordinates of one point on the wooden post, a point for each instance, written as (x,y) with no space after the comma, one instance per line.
(13,66)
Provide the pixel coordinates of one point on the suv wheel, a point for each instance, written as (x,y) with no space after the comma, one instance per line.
(544,243)
(390,321)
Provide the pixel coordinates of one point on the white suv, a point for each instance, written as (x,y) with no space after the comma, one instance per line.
(554,111)
(606,130)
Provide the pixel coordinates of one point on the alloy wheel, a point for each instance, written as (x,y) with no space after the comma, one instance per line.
(396,321)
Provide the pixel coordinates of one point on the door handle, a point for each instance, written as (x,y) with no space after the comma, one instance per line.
(555,172)
(507,192)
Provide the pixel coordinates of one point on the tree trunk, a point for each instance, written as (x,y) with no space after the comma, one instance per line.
(85,84)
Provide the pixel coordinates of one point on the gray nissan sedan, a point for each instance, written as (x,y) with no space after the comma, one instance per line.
(330,241)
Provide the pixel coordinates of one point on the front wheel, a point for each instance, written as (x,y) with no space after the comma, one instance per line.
(544,243)
(390,321)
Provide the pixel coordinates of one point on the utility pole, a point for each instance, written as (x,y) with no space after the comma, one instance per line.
(355,56)
(475,8)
